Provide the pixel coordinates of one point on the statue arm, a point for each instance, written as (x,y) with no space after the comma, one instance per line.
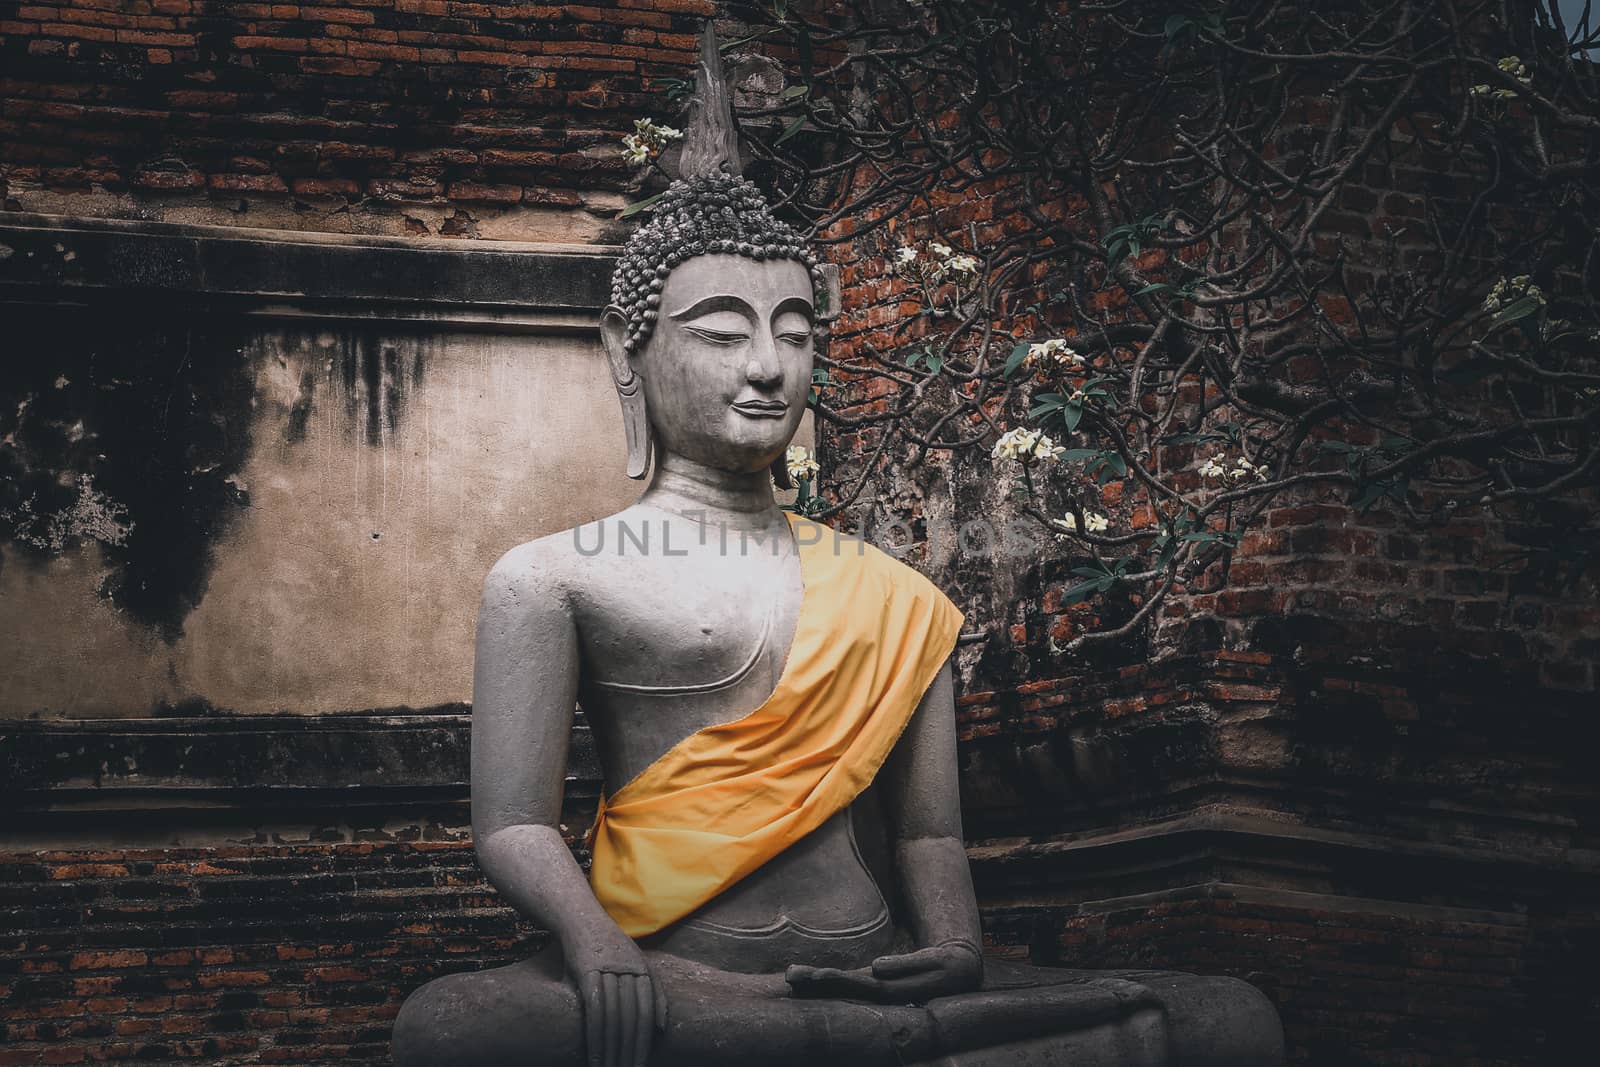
(924,802)
(524,691)
(924,808)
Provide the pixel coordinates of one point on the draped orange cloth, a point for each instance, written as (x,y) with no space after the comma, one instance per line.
(872,635)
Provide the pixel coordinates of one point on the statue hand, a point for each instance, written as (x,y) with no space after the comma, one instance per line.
(910,978)
(623,1004)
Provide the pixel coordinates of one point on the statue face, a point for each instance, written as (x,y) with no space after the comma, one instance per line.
(727,369)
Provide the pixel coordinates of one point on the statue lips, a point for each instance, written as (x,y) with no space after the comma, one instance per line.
(761,409)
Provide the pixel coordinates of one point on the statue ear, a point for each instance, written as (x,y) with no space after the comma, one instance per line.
(635,421)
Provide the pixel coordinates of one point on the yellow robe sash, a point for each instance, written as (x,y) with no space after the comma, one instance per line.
(872,635)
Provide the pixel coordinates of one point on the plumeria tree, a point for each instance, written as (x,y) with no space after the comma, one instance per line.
(1172,262)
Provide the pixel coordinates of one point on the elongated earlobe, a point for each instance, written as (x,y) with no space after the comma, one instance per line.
(630,391)
(636,425)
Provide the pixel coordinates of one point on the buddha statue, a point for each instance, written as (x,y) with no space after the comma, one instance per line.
(778,873)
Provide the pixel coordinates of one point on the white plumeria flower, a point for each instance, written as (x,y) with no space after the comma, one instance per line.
(961,264)
(1021,444)
(647,140)
(1242,469)
(1056,350)
(1093,522)
(799,463)
(1514,66)
(906,255)
(1245,469)
(939,249)
(634,151)
(1507,290)
(648,131)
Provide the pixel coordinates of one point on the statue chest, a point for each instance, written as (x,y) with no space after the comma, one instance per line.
(696,624)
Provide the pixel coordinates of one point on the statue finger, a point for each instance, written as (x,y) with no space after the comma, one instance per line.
(643,1025)
(918,988)
(614,1019)
(628,1019)
(801,974)
(833,982)
(797,973)
(593,1018)
(659,991)
(898,966)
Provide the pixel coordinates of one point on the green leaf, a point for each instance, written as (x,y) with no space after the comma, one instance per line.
(780,8)
(794,92)
(790,130)
(1368,495)
(935,361)
(1395,445)
(674,89)
(641,205)
(1468,372)
(1087,589)
(1018,354)
(1520,308)
(1072,416)
(1045,405)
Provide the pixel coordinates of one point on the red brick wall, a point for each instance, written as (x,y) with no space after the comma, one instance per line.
(405,116)
(302,955)
(1352,987)
(1313,573)
(426,118)
(293,954)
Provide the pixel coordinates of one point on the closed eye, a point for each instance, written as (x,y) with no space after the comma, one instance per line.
(717,337)
(798,337)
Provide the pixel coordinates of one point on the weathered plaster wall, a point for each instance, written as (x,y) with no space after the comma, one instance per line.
(244,471)
(250,472)
(373,478)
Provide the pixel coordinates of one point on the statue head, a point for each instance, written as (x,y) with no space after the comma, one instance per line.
(714,305)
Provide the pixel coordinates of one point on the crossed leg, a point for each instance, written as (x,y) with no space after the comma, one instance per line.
(527,1014)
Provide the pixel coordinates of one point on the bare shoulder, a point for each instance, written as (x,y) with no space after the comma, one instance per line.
(551,570)
(537,573)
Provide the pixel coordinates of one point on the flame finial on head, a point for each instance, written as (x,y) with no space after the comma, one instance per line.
(711,141)
(709,209)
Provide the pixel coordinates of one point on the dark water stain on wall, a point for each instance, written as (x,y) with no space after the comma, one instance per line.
(129,426)
(373,375)
(124,426)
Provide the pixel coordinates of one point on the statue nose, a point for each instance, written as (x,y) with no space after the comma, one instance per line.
(764,368)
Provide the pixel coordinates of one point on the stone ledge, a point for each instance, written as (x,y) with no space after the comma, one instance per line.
(55,258)
(1226,844)
(56,768)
